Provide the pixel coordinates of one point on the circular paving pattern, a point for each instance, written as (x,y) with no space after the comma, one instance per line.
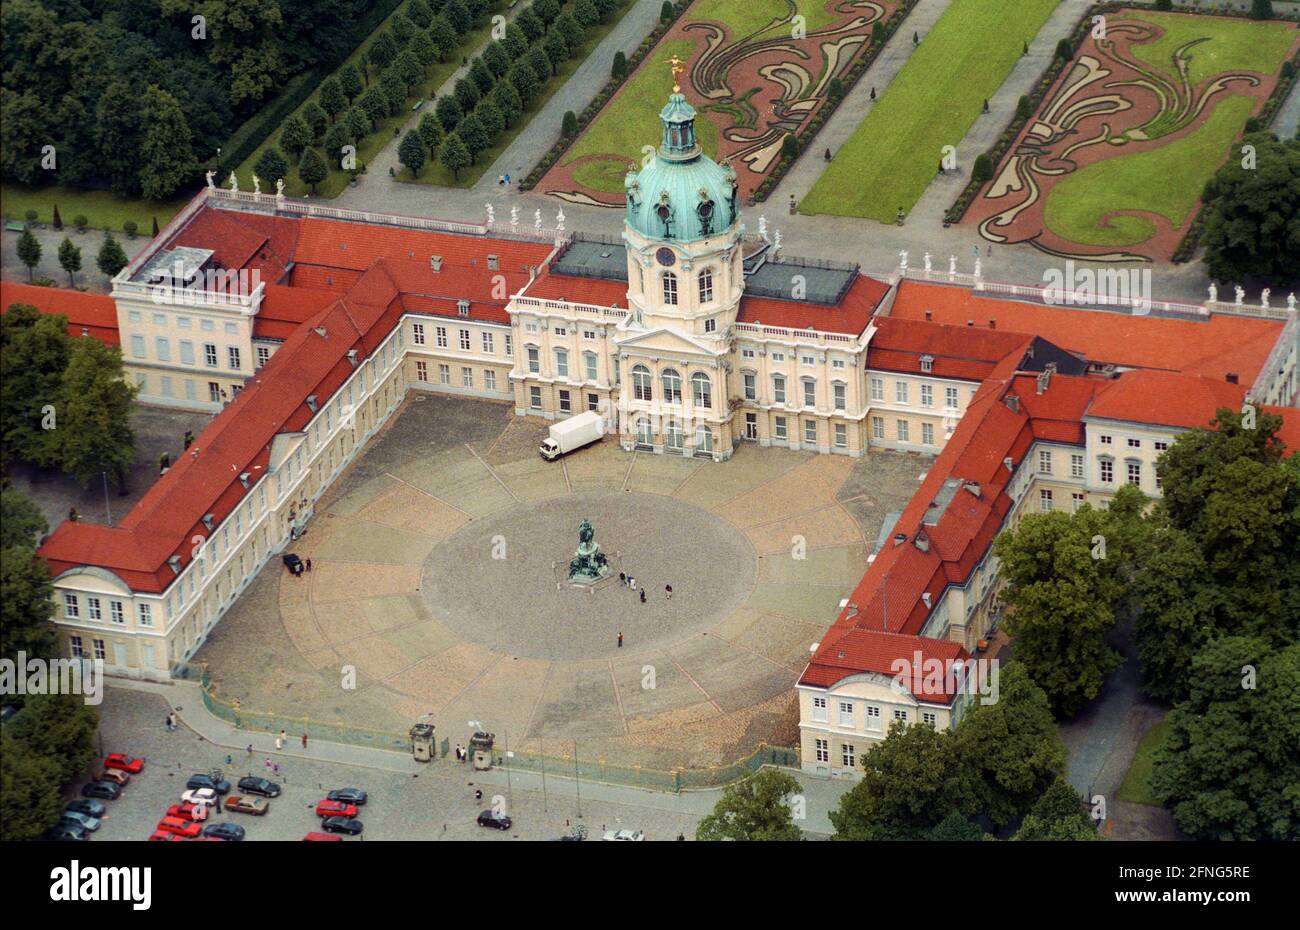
(500,581)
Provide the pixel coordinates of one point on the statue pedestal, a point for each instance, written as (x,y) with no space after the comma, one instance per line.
(588,565)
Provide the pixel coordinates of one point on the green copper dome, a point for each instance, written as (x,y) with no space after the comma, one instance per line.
(683,194)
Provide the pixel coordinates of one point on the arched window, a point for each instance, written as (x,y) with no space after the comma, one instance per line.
(672,386)
(702,389)
(670,289)
(644,435)
(706,285)
(673,437)
(703,439)
(561,363)
(641,389)
(589,362)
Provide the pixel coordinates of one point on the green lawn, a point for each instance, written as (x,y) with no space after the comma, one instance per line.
(103,209)
(1136,787)
(382,134)
(1075,206)
(891,157)
(1235,44)
(744,17)
(438,175)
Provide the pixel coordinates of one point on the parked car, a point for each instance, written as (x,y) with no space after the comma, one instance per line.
(65,833)
(188,811)
(109,791)
(162,836)
(348,795)
(347,825)
(224,831)
(186,828)
(494,820)
(245,805)
(85,821)
(123,762)
(96,809)
(292,562)
(634,836)
(219,785)
(251,784)
(328,808)
(116,777)
(199,796)
(315,837)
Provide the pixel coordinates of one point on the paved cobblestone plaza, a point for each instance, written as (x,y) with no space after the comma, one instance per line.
(405,588)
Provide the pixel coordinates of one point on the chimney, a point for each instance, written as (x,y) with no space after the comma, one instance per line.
(900,538)
(973,487)
(1013,403)
(922,541)
(1231,377)
(993,324)
(311,402)
(435,262)
(929,316)
(208,520)
(925,599)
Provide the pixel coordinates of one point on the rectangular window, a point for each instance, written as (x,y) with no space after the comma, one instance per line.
(535,397)
(1045,500)
(561,331)
(710,325)
(780,428)
(92,609)
(1076,501)
(877,389)
(1107,471)
(589,360)
(1076,465)
(872,715)
(848,755)
(1135,443)
(467,377)
(840,392)
(421,371)
(589,334)
(819,709)
(751,389)
(809,393)
(464,340)
(233,353)
(823,746)
(231,328)
(490,380)
(210,354)
(263,355)
(214,392)
(98,645)
(846,714)
(1105,440)
(927,434)
(444,374)
(927,717)
(902,426)
(115,612)
(746,353)
(950,398)
(441,334)
(841,435)
(187,352)
(807,361)
(74,644)
(207,326)
(810,431)
(417,333)
(778,390)
(489,344)
(837,364)
(927,395)
(510,345)
(593,402)
(534,361)
(778,356)
(163,349)
(877,427)
(137,346)
(1160,446)
(70,606)
(900,392)
(1044,462)
(561,363)
(1134,470)
(165,386)
(566,403)
(900,715)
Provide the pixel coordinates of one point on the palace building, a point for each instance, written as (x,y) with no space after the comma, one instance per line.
(302,327)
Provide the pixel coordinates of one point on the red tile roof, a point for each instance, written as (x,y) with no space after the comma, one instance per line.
(95,314)
(959,352)
(851,316)
(1211,347)
(1166,399)
(596,291)
(284,309)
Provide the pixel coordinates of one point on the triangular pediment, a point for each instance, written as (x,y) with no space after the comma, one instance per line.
(667,341)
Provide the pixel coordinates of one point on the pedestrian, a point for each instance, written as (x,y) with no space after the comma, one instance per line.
(249,749)
(283,736)
(507,180)
(643,595)
(304,739)
(620,640)
(622,579)
(669,589)
(167,723)
(72,514)
(279,743)
(229,761)
(309,565)
(266,763)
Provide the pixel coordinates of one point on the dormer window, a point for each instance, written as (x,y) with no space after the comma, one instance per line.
(665,213)
(462,307)
(927,363)
(704,210)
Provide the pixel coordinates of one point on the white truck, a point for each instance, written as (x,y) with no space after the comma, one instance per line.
(573,433)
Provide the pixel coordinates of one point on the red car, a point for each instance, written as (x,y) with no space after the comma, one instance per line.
(187,829)
(316,837)
(123,763)
(196,813)
(335,809)
(162,836)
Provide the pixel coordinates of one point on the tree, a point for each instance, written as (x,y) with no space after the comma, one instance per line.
(878,34)
(21,521)
(1229,769)
(56,221)
(117,135)
(243,39)
(312,169)
(443,36)
(374,103)
(29,251)
(271,165)
(1252,218)
(459,16)
(585,12)
(546,10)
(556,49)
(33,355)
(316,119)
(95,433)
(61,728)
(357,123)
(1261,9)
(393,85)
(835,90)
(606,8)
(418,12)
(453,155)
(1064,50)
(481,76)
(1010,749)
(507,98)
(411,152)
(983,169)
(350,82)
(524,81)
(409,69)
(69,259)
(30,791)
(789,146)
(25,609)
(530,26)
(493,120)
(112,257)
(568,26)
(430,131)
(466,94)
(910,783)
(569,127)
(294,137)
(515,42)
(165,158)
(382,51)
(495,57)
(1058,815)
(339,136)
(423,48)
(474,135)
(666,11)
(402,29)
(619,69)
(1060,599)
(448,112)
(756,809)
(1024,108)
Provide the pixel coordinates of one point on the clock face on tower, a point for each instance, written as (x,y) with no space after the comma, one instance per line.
(665,257)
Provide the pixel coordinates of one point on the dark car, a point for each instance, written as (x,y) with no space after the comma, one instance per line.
(219,785)
(348,825)
(88,807)
(292,562)
(251,784)
(64,833)
(102,789)
(494,820)
(347,796)
(224,831)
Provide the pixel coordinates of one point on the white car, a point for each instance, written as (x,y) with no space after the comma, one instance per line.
(634,836)
(199,796)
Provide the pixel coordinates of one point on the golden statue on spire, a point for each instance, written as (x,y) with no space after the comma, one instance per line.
(678,66)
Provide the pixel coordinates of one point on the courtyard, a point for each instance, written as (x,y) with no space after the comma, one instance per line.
(438,579)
